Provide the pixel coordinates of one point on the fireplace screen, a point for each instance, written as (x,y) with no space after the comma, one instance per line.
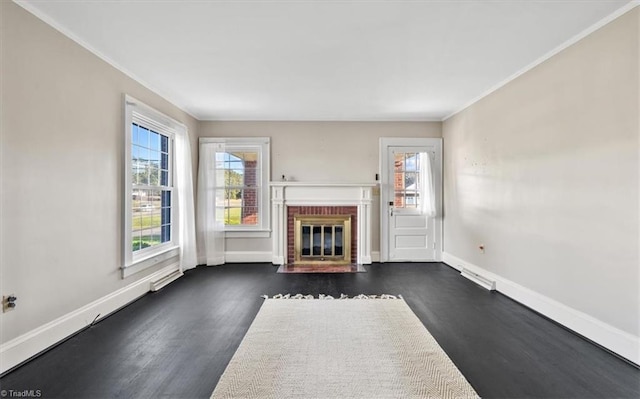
(322,239)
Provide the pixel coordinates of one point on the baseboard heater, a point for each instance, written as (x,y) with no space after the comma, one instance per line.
(163,281)
(478,279)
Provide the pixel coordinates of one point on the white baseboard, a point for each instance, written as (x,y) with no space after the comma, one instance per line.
(35,341)
(618,341)
(375,256)
(248,256)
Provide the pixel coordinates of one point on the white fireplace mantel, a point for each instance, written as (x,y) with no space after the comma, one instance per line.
(284,193)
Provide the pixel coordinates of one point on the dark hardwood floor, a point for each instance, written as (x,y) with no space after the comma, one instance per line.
(177,342)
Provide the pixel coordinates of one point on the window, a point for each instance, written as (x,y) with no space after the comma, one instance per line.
(241,184)
(406,179)
(241,187)
(150,226)
(151,187)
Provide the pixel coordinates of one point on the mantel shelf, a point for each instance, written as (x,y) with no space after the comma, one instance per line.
(319,184)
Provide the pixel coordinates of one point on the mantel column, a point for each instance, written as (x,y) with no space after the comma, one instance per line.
(364,226)
(278,226)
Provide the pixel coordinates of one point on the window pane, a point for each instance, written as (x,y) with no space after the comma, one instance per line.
(143,137)
(398,162)
(166,198)
(232,215)
(136,242)
(143,166)
(136,223)
(164,178)
(250,197)
(249,215)
(410,180)
(154,141)
(149,238)
(164,164)
(166,215)
(398,199)
(166,233)
(164,144)
(134,134)
(410,162)
(233,178)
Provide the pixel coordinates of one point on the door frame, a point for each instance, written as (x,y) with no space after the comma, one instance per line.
(386,180)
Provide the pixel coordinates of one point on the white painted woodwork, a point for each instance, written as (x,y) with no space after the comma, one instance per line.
(406,234)
(285,194)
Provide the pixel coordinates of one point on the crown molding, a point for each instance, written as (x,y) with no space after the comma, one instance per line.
(66,32)
(616,14)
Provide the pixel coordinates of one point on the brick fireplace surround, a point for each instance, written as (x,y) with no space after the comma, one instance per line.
(322,210)
(291,198)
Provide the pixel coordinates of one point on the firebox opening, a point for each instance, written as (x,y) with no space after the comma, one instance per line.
(322,239)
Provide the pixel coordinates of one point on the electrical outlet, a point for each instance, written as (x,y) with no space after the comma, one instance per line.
(8,303)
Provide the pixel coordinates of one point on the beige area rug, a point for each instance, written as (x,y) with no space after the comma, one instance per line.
(342,348)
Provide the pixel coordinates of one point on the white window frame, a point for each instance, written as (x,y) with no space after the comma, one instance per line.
(137,112)
(262,146)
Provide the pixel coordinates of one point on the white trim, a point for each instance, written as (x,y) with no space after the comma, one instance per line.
(318,184)
(262,145)
(248,256)
(375,256)
(385,143)
(621,342)
(55,25)
(285,194)
(136,111)
(619,12)
(215,261)
(248,234)
(149,261)
(35,341)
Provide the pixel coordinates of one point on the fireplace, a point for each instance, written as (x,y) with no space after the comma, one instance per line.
(322,239)
(322,212)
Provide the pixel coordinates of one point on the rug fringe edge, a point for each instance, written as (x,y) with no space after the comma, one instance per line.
(323,296)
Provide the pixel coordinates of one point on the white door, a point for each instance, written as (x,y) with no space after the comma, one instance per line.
(408,232)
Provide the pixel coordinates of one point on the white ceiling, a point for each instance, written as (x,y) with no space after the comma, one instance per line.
(322,60)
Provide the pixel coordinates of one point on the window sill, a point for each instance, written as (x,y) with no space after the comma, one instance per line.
(149,261)
(247,233)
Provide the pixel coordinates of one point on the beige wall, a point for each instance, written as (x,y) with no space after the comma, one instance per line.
(544,173)
(321,152)
(62,171)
